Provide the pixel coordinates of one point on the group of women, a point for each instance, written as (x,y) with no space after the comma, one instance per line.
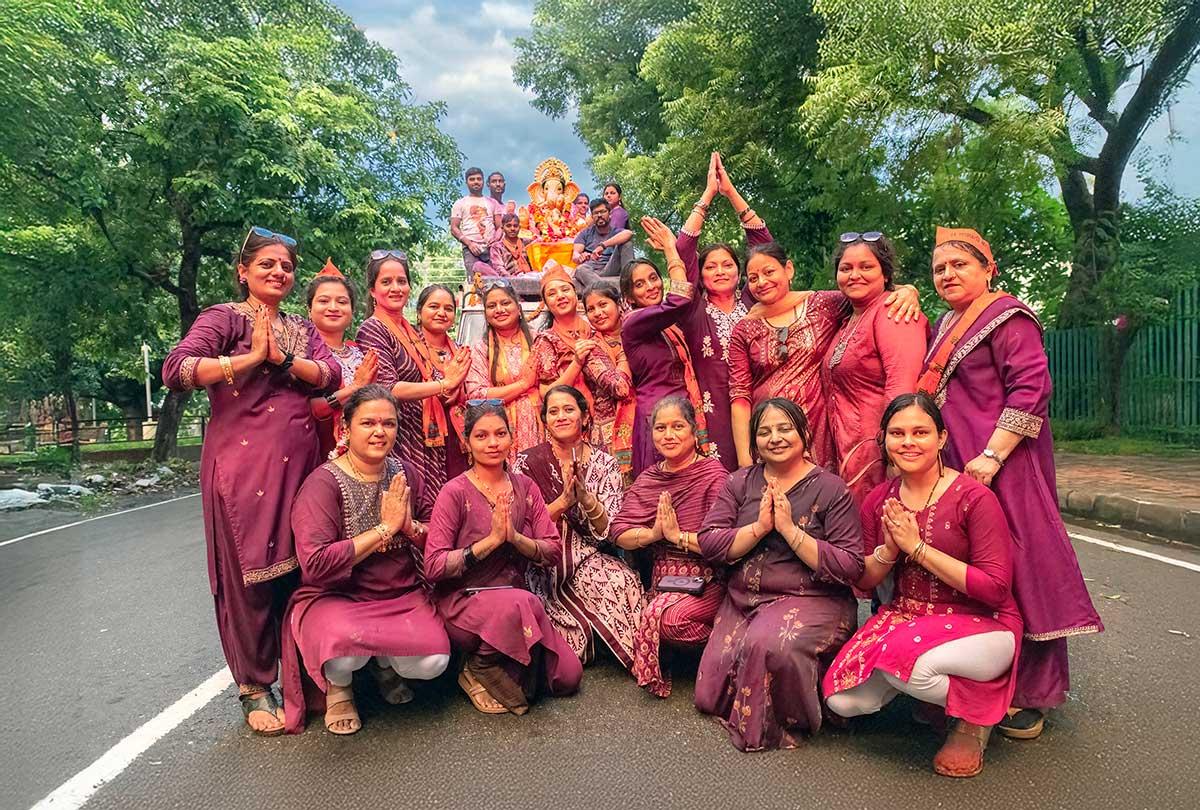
(712,461)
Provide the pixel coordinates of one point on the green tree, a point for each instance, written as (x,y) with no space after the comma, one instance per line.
(1046,75)
(168,127)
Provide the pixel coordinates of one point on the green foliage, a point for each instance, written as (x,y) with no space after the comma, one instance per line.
(139,140)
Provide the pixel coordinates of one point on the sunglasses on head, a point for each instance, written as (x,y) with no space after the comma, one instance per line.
(471,403)
(854,236)
(376,255)
(264,233)
(493,283)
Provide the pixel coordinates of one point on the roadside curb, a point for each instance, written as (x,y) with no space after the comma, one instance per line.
(1173,522)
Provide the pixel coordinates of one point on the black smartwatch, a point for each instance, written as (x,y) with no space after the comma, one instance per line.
(288,360)
(468,557)
(333,402)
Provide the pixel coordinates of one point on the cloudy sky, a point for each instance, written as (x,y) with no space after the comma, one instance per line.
(462,53)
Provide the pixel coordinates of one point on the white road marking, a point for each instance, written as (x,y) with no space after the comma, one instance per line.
(1149,555)
(82,786)
(97,517)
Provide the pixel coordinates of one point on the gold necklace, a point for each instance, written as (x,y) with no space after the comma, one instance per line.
(356,473)
(487,491)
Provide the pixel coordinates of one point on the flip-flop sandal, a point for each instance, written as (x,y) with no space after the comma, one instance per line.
(1022,724)
(348,711)
(961,755)
(263,701)
(475,691)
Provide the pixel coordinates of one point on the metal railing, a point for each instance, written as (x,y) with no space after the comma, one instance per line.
(29,438)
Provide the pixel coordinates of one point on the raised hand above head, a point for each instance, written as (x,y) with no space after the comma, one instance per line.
(658,234)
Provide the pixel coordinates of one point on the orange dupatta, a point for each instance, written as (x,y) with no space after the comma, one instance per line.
(675,339)
(503,372)
(433,413)
(935,366)
(623,420)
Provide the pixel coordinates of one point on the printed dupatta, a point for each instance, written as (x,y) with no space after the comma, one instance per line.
(677,342)
(622,438)
(433,412)
(504,375)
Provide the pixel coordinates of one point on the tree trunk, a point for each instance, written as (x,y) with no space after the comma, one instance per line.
(1114,349)
(133,422)
(166,432)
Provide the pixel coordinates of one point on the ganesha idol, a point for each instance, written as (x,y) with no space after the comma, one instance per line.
(551,220)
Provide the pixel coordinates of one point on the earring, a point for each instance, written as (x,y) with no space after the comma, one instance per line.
(941,467)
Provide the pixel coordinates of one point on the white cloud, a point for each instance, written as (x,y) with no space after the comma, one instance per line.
(464,58)
(506,15)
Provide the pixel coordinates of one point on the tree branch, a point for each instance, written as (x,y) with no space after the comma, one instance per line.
(1100,92)
(160,280)
(1167,69)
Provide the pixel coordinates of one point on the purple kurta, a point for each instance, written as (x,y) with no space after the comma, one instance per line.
(708,329)
(377,607)
(998,376)
(511,621)
(781,623)
(656,368)
(396,366)
(260,444)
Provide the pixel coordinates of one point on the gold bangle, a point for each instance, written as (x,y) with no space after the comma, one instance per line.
(226,368)
(441,387)
(382,529)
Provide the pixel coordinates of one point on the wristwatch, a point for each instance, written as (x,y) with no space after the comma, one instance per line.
(288,360)
(994,456)
(333,402)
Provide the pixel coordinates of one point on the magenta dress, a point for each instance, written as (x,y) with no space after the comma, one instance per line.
(871,361)
(708,330)
(378,607)
(998,376)
(513,621)
(657,369)
(762,366)
(967,523)
(260,444)
(679,618)
(781,623)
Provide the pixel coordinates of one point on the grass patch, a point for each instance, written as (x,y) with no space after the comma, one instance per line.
(1126,446)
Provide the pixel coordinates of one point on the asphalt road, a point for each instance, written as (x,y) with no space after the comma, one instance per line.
(104,625)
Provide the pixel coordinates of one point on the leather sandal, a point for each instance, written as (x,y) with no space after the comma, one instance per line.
(392,687)
(340,706)
(962,753)
(476,692)
(261,699)
(1022,724)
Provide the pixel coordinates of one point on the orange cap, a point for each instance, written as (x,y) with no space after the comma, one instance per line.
(330,269)
(971,237)
(555,273)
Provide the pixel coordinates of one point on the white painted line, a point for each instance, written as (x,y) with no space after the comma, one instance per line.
(97,517)
(82,786)
(1150,555)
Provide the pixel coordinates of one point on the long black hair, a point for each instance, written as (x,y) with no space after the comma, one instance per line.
(494,341)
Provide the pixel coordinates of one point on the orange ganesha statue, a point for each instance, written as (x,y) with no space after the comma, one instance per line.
(547,220)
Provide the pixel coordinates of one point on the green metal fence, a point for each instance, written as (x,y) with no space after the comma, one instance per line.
(1160,377)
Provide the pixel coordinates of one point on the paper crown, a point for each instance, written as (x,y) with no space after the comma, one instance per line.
(330,269)
(971,237)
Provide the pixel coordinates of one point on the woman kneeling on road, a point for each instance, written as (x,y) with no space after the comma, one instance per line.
(950,635)
(362,595)
(488,526)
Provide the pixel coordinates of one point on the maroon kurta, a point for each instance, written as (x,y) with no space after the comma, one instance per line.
(677,617)
(260,444)
(760,368)
(708,330)
(871,361)
(377,607)
(781,623)
(511,621)
(657,368)
(998,376)
(967,523)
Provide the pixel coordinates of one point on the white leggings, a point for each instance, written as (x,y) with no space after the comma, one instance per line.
(980,657)
(340,671)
